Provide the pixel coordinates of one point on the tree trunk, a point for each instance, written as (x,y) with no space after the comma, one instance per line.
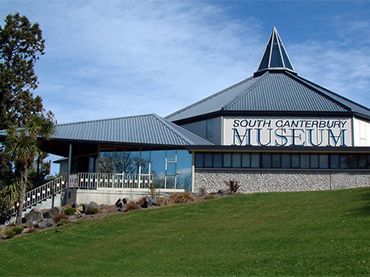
(22,194)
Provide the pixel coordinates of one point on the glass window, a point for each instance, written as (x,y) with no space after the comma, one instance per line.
(266,160)
(294,160)
(352,161)
(343,161)
(285,161)
(199,160)
(314,161)
(227,159)
(208,160)
(305,161)
(237,160)
(276,160)
(183,173)
(362,161)
(217,160)
(334,161)
(324,161)
(246,160)
(255,160)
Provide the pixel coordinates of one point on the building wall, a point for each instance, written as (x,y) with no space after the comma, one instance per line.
(278,181)
(361,131)
(200,128)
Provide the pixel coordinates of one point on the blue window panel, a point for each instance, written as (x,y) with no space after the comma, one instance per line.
(246,160)
(255,160)
(237,160)
(227,160)
(324,161)
(217,160)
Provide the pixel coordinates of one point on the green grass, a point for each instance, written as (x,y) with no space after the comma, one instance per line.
(303,233)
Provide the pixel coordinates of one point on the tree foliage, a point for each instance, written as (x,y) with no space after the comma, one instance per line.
(21,113)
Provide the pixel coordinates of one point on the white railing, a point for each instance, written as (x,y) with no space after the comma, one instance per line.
(86,180)
(43,192)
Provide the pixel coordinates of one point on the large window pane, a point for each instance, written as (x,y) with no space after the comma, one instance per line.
(246,160)
(305,161)
(294,160)
(276,160)
(208,160)
(285,160)
(237,160)
(323,161)
(314,161)
(217,160)
(199,160)
(362,161)
(343,161)
(266,160)
(227,160)
(255,160)
(334,161)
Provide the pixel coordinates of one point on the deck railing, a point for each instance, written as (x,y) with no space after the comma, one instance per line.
(41,193)
(85,180)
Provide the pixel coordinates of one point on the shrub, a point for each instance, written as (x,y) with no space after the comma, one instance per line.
(182,197)
(164,201)
(59,217)
(131,206)
(18,229)
(92,210)
(9,233)
(232,185)
(68,210)
(63,221)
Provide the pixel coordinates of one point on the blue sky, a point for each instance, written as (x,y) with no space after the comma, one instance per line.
(116,58)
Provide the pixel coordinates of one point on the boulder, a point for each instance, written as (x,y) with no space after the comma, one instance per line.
(51,213)
(33,217)
(121,204)
(48,222)
(91,208)
(151,201)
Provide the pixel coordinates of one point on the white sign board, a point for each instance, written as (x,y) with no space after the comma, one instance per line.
(323,132)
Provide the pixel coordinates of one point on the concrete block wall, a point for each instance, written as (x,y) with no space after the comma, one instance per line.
(270,181)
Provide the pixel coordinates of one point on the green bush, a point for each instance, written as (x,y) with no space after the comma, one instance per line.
(18,229)
(9,233)
(68,210)
(63,222)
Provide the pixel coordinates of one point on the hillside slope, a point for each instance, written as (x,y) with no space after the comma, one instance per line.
(299,233)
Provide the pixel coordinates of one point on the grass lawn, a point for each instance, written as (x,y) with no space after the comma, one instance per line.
(298,233)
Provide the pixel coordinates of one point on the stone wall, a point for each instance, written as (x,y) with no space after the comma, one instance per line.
(268,181)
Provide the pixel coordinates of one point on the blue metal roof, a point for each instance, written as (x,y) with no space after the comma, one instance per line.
(148,129)
(144,129)
(281,92)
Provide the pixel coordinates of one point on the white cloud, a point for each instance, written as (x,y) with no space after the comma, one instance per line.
(116,58)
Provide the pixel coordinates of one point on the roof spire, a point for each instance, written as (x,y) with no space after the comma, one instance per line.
(275,56)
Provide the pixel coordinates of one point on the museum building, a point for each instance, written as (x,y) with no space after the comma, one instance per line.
(274,131)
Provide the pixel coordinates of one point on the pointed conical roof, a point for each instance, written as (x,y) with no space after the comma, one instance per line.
(275,56)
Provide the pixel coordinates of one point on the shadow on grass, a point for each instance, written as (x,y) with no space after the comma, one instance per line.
(364,210)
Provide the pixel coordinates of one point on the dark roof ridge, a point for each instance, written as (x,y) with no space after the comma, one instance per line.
(263,76)
(104,119)
(209,97)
